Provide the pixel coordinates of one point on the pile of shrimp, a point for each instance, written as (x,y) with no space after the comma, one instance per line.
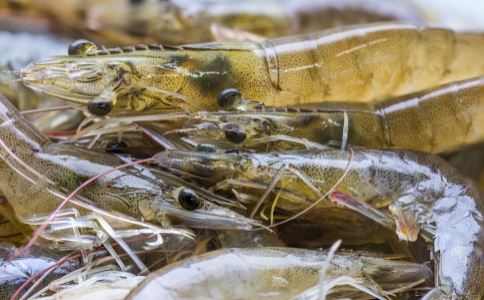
(238,150)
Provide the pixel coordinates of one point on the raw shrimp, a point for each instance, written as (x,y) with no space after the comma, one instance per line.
(435,120)
(409,192)
(269,273)
(353,64)
(38,174)
(182,21)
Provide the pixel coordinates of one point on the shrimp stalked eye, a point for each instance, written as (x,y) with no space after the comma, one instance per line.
(115,145)
(81,47)
(235,133)
(228,98)
(99,107)
(188,199)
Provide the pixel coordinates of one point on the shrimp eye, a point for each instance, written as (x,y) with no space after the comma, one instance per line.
(229,97)
(115,145)
(234,133)
(81,47)
(266,126)
(188,199)
(209,148)
(99,107)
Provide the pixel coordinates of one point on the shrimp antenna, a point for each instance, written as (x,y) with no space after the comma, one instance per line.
(49,109)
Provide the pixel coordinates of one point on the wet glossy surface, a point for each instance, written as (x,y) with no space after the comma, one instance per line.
(266,273)
(417,192)
(352,64)
(40,172)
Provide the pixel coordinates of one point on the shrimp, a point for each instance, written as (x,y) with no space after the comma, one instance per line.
(14,273)
(435,120)
(269,273)
(181,21)
(362,63)
(38,174)
(411,193)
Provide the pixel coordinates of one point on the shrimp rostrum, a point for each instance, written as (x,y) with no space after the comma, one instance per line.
(352,64)
(410,192)
(272,273)
(38,174)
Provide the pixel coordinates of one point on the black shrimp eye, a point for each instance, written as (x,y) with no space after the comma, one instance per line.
(209,148)
(229,97)
(188,199)
(265,125)
(81,47)
(99,107)
(235,134)
(115,145)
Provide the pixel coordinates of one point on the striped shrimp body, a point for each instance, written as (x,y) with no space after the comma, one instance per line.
(353,64)
(270,273)
(435,120)
(38,174)
(410,192)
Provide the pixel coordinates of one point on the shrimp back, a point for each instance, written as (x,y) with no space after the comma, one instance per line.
(409,192)
(352,64)
(268,273)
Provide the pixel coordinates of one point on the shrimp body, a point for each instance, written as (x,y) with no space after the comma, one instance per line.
(420,191)
(267,273)
(176,22)
(352,64)
(435,120)
(37,174)
(180,21)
